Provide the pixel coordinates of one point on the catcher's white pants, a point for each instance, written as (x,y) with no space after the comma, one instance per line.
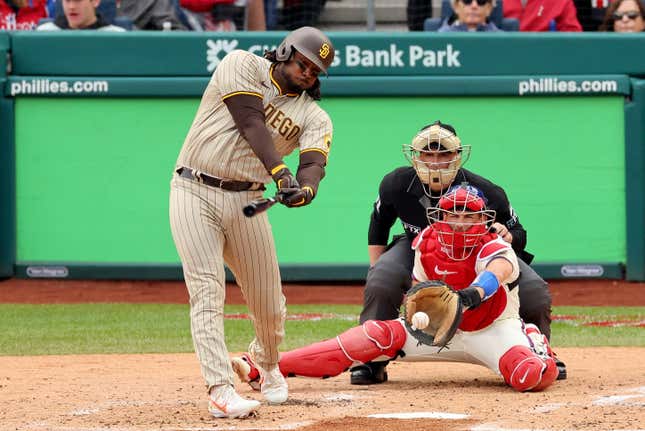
(483,347)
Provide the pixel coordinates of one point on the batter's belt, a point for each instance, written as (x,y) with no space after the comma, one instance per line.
(231,185)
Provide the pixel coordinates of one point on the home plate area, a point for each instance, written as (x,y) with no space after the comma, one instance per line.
(604,392)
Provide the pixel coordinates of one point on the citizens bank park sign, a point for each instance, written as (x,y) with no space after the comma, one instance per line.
(391,55)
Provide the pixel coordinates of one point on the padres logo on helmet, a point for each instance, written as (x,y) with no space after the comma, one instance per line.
(310,42)
(324,51)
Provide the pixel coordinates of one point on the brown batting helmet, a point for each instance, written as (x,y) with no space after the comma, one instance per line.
(310,42)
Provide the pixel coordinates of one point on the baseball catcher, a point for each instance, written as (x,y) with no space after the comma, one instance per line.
(459,309)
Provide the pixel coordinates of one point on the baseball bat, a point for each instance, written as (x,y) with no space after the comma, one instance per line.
(258,206)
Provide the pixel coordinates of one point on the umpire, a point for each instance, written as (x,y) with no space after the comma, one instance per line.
(436,155)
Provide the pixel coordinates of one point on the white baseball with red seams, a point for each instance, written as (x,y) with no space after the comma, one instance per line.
(420,320)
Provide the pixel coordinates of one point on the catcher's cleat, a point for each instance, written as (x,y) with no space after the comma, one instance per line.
(271,383)
(369,374)
(562,368)
(538,341)
(246,371)
(224,402)
(542,347)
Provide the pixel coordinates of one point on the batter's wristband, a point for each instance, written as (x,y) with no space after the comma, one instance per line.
(277,168)
(488,282)
(311,190)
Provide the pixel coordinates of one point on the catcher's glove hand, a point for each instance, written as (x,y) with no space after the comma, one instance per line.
(442,305)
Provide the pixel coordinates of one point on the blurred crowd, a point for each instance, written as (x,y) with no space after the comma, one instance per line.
(260,15)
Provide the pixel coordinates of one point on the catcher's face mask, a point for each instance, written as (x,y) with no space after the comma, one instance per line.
(460,221)
(436,154)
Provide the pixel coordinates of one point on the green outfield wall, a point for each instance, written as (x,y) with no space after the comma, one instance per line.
(86,169)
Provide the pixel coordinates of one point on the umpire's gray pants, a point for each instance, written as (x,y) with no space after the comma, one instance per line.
(391,276)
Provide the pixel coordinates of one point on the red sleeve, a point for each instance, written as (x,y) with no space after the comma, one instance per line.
(568,19)
(202,5)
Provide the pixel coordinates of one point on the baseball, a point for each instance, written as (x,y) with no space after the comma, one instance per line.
(420,320)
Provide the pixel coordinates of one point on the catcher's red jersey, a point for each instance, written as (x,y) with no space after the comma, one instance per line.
(459,274)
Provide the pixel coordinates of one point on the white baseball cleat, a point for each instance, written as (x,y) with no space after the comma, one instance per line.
(224,402)
(273,385)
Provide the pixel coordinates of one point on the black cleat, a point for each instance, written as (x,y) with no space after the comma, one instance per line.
(562,369)
(369,374)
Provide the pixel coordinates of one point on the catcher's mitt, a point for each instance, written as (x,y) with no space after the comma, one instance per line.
(442,305)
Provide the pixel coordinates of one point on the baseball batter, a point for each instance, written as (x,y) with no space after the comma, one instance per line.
(480,266)
(254,112)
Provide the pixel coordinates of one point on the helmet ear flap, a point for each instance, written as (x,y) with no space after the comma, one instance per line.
(284,51)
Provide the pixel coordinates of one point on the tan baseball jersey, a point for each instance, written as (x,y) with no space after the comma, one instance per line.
(207,224)
(214,146)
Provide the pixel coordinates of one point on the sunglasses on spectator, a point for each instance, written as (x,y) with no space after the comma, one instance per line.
(479,2)
(619,16)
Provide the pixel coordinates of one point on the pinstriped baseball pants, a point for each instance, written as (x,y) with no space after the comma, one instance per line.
(209,230)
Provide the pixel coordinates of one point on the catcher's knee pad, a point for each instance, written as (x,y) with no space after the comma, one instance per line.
(372,340)
(523,370)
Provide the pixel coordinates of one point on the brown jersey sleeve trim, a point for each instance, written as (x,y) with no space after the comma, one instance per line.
(315,149)
(237,93)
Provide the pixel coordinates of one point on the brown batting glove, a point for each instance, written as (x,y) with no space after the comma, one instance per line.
(299,199)
(289,191)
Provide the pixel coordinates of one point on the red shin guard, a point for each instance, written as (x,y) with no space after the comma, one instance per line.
(359,344)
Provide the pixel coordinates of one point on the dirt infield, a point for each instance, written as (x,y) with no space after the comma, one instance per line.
(605,389)
(164,392)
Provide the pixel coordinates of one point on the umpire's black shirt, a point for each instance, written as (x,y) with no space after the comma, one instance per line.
(401,195)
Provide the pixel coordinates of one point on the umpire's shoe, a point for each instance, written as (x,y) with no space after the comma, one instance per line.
(369,374)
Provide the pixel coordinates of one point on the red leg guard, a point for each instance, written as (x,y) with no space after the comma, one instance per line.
(359,344)
(549,375)
(523,370)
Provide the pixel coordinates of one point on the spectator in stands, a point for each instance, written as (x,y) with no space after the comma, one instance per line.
(21,14)
(543,15)
(300,13)
(152,14)
(417,12)
(79,15)
(624,16)
(225,15)
(590,13)
(470,15)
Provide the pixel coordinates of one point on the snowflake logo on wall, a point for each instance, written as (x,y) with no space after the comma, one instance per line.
(217,49)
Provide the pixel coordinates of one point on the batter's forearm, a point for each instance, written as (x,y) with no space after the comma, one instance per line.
(311,169)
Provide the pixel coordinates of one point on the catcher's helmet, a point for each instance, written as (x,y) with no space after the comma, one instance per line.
(436,154)
(310,42)
(460,220)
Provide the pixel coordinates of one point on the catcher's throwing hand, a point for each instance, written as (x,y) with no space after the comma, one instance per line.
(442,305)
